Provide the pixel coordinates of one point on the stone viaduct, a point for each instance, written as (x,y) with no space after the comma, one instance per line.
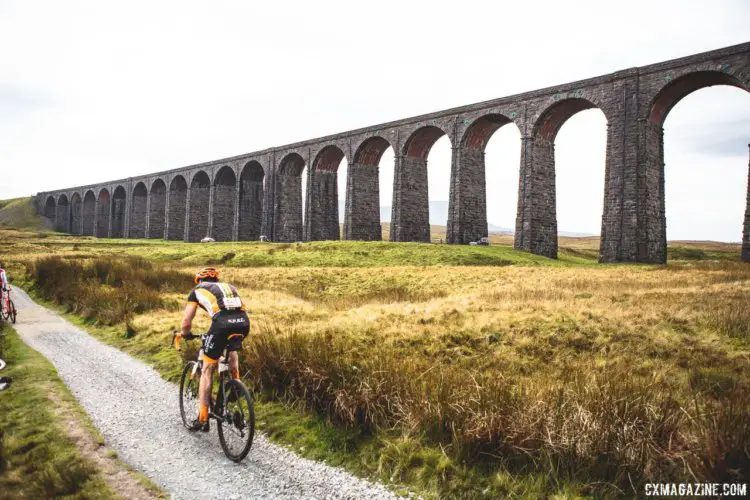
(260,194)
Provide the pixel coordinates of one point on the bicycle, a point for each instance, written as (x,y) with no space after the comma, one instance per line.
(9,311)
(226,408)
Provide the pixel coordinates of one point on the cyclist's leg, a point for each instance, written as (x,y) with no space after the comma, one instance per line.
(240,330)
(212,350)
(234,364)
(204,389)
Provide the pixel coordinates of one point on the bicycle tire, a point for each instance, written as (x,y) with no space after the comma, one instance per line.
(12,311)
(191,385)
(242,393)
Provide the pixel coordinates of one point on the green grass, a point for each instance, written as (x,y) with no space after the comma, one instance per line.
(37,460)
(310,254)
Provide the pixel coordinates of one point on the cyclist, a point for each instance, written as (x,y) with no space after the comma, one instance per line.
(229,326)
(4,286)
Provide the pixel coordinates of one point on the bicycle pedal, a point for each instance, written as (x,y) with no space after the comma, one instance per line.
(201,426)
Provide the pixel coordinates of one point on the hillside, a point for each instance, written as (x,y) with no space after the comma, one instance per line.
(21,214)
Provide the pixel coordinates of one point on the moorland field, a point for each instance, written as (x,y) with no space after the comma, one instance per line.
(453,371)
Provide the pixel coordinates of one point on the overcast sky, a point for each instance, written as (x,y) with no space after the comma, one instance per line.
(92,91)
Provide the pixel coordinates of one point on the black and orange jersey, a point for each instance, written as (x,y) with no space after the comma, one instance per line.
(216,297)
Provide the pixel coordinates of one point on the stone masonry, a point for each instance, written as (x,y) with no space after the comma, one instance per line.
(288,226)
(199,201)
(250,217)
(75,214)
(176,209)
(62,217)
(139,211)
(156,207)
(746,226)
(89,212)
(102,214)
(224,199)
(259,194)
(118,213)
(362,205)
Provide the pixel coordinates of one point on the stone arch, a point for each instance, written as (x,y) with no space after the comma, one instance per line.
(480,131)
(652,238)
(157,217)
(323,212)
(553,117)
(288,226)
(420,141)
(225,198)
(328,159)
(50,210)
(178,190)
(138,211)
(62,221)
(467,211)
(362,212)
(89,213)
(200,196)
(411,212)
(252,179)
(119,204)
(536,220)
(370,151)
(675,90)
(75,213)
(292,165)
(103,205)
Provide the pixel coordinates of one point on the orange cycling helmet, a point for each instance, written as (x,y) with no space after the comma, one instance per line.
(206,273)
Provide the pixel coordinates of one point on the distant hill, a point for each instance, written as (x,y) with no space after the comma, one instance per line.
(21,214)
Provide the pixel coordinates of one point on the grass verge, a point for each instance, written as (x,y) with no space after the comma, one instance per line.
(37,459)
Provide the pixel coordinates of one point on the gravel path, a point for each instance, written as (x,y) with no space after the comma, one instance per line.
(138,414)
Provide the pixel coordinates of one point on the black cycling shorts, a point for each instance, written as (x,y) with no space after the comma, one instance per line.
(228,328)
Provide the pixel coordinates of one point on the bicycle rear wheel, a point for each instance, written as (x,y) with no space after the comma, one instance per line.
(237,425)
(11,311)
(189,396)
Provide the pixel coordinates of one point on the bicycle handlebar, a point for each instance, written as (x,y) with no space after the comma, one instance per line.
(176,336)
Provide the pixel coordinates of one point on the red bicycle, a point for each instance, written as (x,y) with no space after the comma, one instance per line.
(8,311)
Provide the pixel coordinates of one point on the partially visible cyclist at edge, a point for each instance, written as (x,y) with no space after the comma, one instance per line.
(229,326)
(4,285)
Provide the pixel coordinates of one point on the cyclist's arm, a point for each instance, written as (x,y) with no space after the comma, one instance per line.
(187,319)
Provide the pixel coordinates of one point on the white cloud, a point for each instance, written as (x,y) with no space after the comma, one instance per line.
(119,89)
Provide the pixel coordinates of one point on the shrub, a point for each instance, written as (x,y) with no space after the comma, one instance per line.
(596,424)
(108,290)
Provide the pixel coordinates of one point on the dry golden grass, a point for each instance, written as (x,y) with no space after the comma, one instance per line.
(543,367)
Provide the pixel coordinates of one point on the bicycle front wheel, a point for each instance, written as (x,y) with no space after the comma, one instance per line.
(237,425)
(12,311)
(189,395)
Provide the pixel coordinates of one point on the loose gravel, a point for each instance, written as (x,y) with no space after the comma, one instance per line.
(138,414)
